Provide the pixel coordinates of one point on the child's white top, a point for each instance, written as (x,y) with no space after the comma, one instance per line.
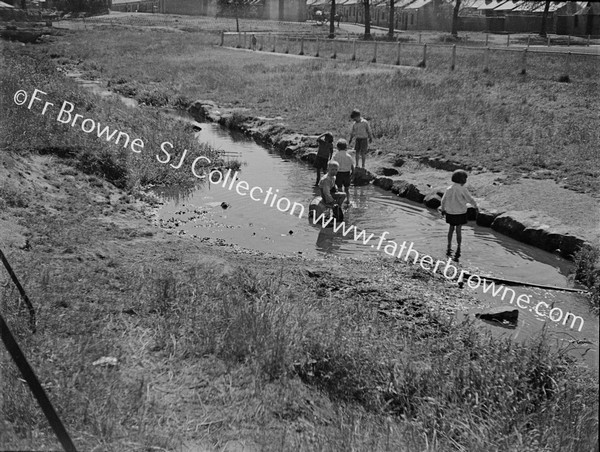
(344,160)
(456,198)
(361,129)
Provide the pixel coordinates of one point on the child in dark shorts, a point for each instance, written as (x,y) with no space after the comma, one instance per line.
(324,153)
(454,207)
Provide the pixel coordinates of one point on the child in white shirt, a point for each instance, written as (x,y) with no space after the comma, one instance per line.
(454,207)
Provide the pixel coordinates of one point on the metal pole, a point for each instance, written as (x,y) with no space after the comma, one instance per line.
(453,63)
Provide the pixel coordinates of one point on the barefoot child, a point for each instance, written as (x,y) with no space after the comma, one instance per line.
(346,168)
(324,153)
(361,130)
(454,207)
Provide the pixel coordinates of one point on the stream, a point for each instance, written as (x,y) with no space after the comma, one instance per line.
(258,226)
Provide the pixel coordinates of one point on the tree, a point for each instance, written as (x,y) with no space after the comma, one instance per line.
(232,7)
(455,18)
(367,5)
(544,18)
(391,20)
(332,20)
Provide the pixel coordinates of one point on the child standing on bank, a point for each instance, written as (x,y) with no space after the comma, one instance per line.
(454,207)
(324,153)
(345,169)
(361,130)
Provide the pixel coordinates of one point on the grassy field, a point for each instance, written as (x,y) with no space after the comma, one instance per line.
(499,120)
(290,355)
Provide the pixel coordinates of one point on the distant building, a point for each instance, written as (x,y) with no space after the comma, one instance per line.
(287,10)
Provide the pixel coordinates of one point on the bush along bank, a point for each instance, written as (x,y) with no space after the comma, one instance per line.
(524,226)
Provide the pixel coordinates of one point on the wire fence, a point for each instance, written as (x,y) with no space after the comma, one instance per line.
(565,65)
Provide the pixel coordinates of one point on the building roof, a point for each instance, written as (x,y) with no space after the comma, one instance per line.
(6,5)
(418,4)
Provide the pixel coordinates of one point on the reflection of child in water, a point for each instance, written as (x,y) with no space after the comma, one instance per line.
(454,207)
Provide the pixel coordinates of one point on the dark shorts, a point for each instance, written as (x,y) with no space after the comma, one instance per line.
(456,220)
(362,145)
(320,162)
(342,180)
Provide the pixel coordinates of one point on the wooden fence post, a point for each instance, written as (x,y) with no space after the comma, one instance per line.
(354,50)
(287,44)
(301,46)
(334,56)
(374,60)
(262,42)
(424,62)
(239,44)
(453,63)
(548,41)
(568,64)
(487,38)
(398,54)
(508,40)
(569,41)
(524,63)
(528,38)
(318,46)
(588,44)
(419,38)
(274,44)
(222,38)
(486,64)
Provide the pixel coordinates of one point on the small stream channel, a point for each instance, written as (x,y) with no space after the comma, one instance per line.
(257,226)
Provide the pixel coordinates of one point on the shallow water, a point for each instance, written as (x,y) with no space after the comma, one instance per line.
(258,226)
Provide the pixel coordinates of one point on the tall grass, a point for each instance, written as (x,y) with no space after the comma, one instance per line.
(417,382)
(27,130)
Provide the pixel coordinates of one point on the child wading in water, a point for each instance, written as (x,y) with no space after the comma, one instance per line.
(454,207)
(325,142)
(361,130)
(342,179)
